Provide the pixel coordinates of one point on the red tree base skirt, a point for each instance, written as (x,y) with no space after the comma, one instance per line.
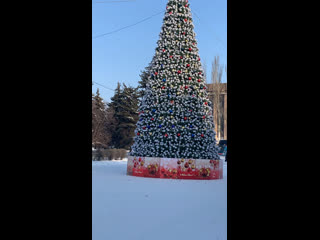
(175,168)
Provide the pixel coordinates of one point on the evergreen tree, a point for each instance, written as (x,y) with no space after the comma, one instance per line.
(125,106)
(112,124)
(115,104)
(94,116)
(142,84)
(175,112)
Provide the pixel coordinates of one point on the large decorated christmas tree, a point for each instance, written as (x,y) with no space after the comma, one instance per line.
(175,134)
(175,116)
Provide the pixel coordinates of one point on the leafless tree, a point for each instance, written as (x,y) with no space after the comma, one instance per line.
(102,122)
(216,89)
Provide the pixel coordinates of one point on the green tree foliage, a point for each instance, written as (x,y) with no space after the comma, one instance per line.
(125,107)
(142,84)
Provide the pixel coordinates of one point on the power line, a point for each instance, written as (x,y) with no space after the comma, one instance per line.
(103,86)
(115,1)
(128,25)
(195,14)
(216,37)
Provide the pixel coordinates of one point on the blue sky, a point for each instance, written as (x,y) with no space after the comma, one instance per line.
(121,56)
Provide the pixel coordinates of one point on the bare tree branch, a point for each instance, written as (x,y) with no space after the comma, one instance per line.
(216,89)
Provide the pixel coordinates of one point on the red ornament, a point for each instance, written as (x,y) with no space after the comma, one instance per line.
(178,134)
(171,57)
(188,65)
(204,117)
(181,57)
(190,78)
(186,87)
(186,5)
(166,135)
(163,50)
(178,162)
(190,49)
(186,165)
(152,119)
(163,87)
(204,87)
(199,80)
(139,159)
(205,103)
(152,169)
(204,172)
(202,135)
(179,71)
(138,133)
(185,20)
(199,73)
(144,128)
(194,43)
(198,59)
(155,73)
(190,110)
(170,12)
(184,33)
(185,118)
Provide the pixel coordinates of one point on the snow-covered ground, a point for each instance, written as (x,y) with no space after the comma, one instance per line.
(133,208)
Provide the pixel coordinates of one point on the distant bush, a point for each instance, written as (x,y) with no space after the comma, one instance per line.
(109,154)
(123,153)
(115,154)
(98,155)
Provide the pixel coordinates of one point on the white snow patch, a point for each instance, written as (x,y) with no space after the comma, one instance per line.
(134,208)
